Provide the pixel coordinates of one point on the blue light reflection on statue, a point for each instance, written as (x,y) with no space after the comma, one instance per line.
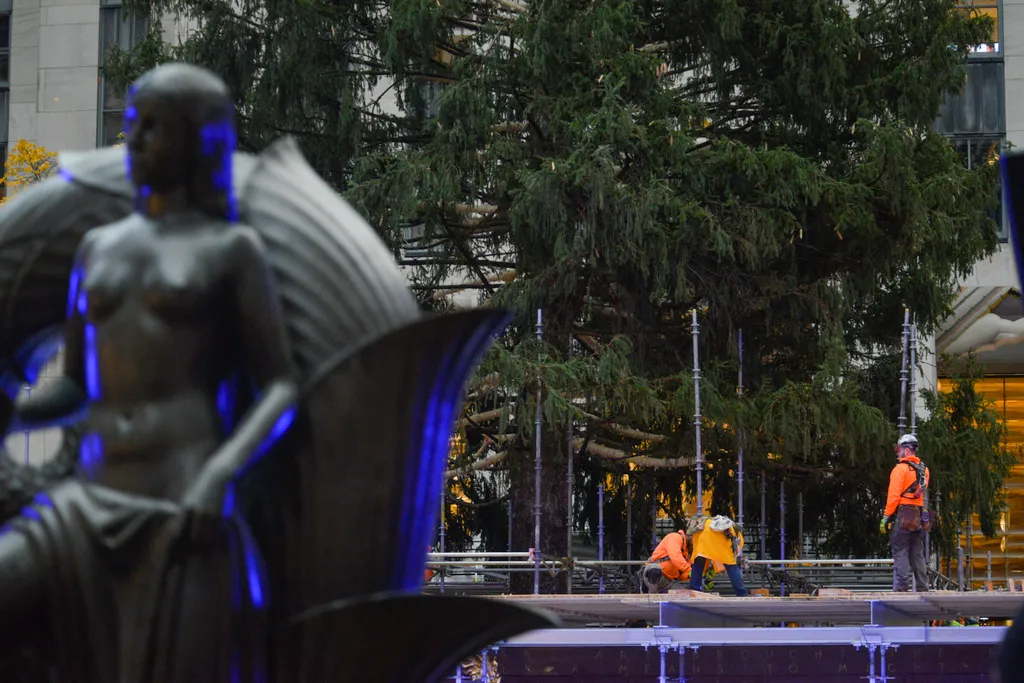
(219,140)
(421,502)
(130,116)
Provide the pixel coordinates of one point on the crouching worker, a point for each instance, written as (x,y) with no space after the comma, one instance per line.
(669,565)
(720,542)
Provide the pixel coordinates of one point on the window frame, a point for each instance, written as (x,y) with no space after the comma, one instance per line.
(988,4)
(956,141)
(123,20)
(6,9)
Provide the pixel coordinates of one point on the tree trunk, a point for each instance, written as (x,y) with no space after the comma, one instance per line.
(553,510)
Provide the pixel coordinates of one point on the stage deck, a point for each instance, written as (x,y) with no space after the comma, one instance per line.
(701,610)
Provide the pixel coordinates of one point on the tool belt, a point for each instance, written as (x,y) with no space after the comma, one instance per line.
(913,518)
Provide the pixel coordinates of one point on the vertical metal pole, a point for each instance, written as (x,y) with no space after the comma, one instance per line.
(600,537)
(903,372)
(510,522)
(444,503)
(871,669)
(763,548)
(969,553)
(536,469)
(458,674)
(884,673)
(629,520)
(654,517)
(739,438)
(960,568)
(569,452)
(800,523)
(696,416)
(663,677)
(485,670)
(912,402)
(782,534)
(988,570)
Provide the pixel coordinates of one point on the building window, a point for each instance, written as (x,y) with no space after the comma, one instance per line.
(977,150)
(124,29)
(5,84)
(989,8)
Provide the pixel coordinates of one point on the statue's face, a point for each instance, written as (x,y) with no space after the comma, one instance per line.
(157,142)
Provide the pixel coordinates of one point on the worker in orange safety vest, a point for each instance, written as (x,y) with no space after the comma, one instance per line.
(906,517)
(669,564)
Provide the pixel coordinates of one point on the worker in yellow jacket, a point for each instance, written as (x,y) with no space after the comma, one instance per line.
(719,541)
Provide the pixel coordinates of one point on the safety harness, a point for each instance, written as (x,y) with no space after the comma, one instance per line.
(920,485)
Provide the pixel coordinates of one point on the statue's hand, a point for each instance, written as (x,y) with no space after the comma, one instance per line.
(203,510)
(206,496)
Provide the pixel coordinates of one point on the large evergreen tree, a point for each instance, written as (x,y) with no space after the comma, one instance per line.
(616,164)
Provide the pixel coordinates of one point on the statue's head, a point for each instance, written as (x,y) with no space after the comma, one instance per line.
(180,135)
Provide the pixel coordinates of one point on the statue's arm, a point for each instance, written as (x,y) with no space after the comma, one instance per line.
(62,399)
(259,325)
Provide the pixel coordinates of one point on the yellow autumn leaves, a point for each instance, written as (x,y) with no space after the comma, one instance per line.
(27,164)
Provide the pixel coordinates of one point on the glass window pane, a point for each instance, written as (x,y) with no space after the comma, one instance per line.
(124,30)
(111,124)
(990,9)
(3,160)
(110,22)
(140,29)
(112,97)
(5,108)
(983,151)
(5,69)
(5,31)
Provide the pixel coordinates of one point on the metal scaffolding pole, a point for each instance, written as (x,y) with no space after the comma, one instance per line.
(444,503)
(903,372)
(537,467)
(763,547)
(654,515)
(912,401)
(696,415)
(739,437)
(569,481)
(629,519)
(600,536)
(782,534)
(800,523)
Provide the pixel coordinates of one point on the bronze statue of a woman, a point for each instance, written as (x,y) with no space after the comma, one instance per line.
(199,541)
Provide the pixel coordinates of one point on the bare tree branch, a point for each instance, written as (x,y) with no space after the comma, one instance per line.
(484,463)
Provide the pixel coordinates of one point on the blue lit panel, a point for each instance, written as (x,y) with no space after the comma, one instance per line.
(422,500)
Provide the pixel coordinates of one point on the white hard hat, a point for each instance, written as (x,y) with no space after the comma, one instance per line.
(908,440)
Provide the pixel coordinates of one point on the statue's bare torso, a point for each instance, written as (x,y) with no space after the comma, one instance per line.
(160,332)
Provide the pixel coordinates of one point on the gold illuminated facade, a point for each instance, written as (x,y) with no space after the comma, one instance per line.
(1007,548)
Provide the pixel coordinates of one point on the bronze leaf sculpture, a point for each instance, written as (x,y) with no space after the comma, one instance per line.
(256,418)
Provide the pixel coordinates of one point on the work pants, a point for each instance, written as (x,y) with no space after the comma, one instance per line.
(908,556)
(735,577)
(662,585)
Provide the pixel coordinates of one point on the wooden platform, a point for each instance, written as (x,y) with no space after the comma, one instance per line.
(701,610)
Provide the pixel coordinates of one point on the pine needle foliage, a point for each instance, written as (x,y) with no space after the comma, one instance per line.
(615,163)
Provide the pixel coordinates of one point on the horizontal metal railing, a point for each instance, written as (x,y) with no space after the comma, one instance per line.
(492,571)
